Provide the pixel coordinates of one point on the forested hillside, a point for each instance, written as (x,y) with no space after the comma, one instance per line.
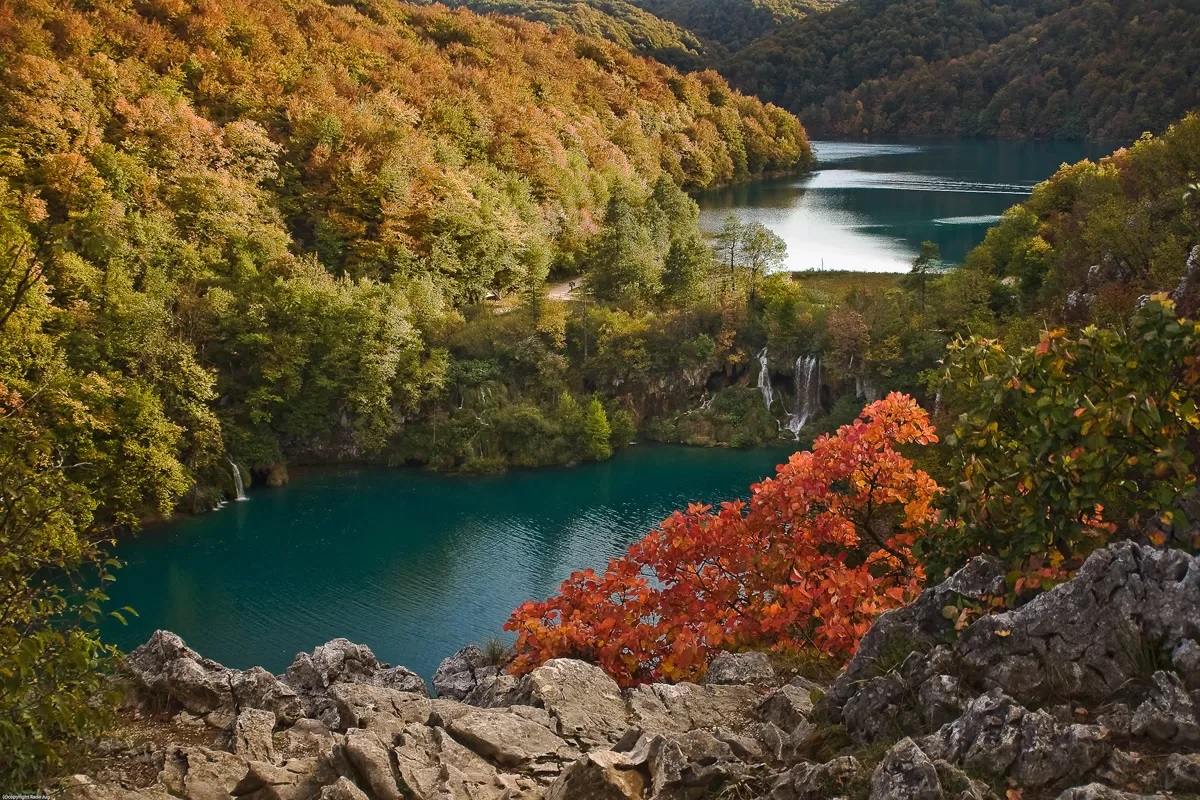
(1098,69)
(618,21)
(733,24)
(247,228)
(1097,237)
(1033,68)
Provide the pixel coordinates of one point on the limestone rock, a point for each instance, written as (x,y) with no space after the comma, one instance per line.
(957,785)
(996,736)
(198,773)
(511,741)
(1182,773)
(493,691)
(1098,791)
(297,779)
(680,707)
(459,674)
(906,773)
(787,707)
(166,668)
(600,775)
(584,702)
(433,766)
(741,668)
(919,624)
(82,787)
(1168,715)
(1076,640)
(372,762)
(816,781)
(342,789)
(252,735)
(341,661)
(1186,661)
(359,705)
(308,737)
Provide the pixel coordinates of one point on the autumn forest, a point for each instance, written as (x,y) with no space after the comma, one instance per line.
(462,237)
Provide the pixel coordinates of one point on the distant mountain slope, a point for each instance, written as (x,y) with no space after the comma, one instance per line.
(1099,68)
(618,21)
(806,63)
(1102,69)
(733,24)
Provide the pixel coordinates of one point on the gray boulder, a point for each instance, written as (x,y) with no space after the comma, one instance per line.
(753,669)
(584,703)
(296,779)
(340,662)
(165,670)
(1098,791)
(996,736)
(601,775)
(252,735)
(457,676)
(919,626)
(906,773)
(1168,715)
(511,741)
(1081,639)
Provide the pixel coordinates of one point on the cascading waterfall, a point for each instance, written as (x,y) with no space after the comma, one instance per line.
(764,379)
(238,488)
(808,393)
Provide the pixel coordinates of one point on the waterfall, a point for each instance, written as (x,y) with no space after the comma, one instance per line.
(808,393)
(764,379)
(238,488)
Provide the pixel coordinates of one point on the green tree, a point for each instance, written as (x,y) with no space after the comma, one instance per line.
(684,271)
(923,265)
(596,431)
(624,263)
(760,251)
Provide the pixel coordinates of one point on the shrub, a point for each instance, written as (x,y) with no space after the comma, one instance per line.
(812,558)
(1055,439)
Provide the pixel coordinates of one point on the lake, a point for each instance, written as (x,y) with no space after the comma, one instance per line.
(868,206)
(413,564)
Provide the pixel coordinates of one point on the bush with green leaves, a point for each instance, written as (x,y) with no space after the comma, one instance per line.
(1059,446)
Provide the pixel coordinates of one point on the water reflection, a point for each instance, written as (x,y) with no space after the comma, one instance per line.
(870,205)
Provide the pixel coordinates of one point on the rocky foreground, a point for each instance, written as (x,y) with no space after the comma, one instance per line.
(1092,690)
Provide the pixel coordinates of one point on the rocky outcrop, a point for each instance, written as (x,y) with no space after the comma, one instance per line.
(1088,691)
(164,671)
(460,674)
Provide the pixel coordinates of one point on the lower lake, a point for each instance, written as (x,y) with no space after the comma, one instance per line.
(413,564)
(868,206)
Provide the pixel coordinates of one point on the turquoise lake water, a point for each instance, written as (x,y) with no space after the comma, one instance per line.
(414,565)
(868,206)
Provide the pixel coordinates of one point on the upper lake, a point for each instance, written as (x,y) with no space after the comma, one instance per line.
(868,206)
(413,564)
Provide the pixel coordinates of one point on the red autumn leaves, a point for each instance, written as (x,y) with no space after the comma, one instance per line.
(817,553)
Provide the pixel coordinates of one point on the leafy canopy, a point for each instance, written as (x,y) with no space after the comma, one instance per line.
(808,562)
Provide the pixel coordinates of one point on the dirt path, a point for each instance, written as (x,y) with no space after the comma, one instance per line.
(564,291)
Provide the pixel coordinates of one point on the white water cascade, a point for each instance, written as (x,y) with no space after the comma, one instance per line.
(808,393)
(239,489)
(764,379)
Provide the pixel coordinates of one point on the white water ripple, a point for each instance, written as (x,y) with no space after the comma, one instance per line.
(828,179)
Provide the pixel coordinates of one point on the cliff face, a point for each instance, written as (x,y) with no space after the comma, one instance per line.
(1092,690)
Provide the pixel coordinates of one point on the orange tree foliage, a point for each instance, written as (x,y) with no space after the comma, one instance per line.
(808,563)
